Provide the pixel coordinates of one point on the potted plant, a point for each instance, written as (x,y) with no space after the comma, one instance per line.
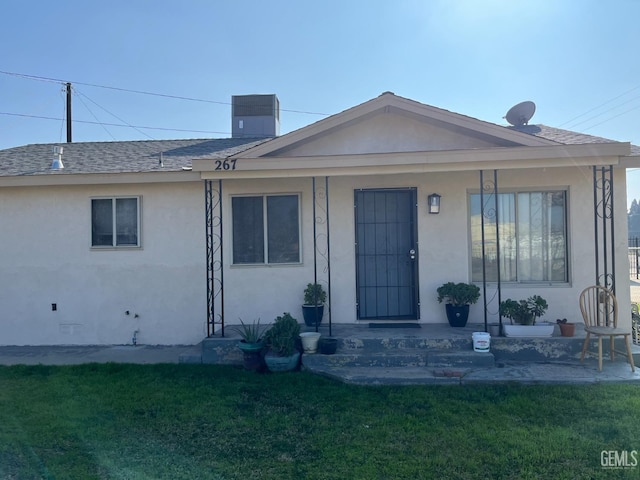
(313,307)
(567,329)
(251,343)
(280,339)
(459,296)
(328,345)
(524,314)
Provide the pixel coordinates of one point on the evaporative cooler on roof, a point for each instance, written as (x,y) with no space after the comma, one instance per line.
(255,116)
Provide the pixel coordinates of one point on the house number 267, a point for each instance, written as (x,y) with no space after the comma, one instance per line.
(226,164)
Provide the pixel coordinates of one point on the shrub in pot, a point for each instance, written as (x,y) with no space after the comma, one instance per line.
(524,314)
(458,298)
(313,307)
(280,339)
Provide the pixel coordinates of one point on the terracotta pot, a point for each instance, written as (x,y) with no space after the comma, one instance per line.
(567,329)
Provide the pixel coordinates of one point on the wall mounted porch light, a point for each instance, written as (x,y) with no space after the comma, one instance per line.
(434,203)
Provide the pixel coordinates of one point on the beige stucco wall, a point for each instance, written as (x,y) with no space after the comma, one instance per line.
(443,245)
(45,258)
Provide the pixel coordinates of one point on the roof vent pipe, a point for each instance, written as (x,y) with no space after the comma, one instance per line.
(57,158)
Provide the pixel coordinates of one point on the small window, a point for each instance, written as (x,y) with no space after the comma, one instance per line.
(115,222)
(266,229)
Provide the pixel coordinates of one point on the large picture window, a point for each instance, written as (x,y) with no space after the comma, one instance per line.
(532,239)
(115,222)
(266,229)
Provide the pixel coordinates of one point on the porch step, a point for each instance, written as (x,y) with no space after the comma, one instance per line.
(390,375)
(403,358)
(389,359)
(460,358)
(391,342)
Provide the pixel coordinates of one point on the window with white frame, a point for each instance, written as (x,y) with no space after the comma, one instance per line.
(115,222)
(532,237)
(266,229)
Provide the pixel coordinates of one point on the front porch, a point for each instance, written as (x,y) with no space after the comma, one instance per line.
(440,354)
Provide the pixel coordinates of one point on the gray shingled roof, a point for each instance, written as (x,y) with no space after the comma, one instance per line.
(565,137)
(118,157)
(144,156)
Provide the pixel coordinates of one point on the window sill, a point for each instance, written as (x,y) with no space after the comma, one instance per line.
(119,247)
(264,265)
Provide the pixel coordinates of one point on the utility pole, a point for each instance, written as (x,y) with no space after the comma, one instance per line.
(68,112)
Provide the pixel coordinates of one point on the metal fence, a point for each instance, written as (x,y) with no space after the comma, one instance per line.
(634,257)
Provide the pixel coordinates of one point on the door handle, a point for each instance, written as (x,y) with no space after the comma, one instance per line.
(412,254)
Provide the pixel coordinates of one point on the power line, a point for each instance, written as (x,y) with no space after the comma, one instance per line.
(593,117)
(80,95)
(142,92)
(57,119)
(607,111)
(611,118)
(601,105)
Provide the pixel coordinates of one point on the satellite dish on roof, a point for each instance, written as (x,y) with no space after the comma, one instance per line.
(521,113)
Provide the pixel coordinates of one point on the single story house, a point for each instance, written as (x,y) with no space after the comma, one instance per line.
(167,241)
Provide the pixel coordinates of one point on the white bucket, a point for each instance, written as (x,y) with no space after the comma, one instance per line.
(481,341)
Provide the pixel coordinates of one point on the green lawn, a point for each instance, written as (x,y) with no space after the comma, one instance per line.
(215,422)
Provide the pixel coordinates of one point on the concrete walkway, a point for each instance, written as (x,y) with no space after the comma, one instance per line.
(76,355)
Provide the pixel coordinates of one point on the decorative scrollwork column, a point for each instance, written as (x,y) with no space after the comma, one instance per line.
(604,240)
(321,243)
(215,291)
(489,214)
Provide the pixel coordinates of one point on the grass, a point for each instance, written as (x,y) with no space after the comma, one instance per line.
(213,422)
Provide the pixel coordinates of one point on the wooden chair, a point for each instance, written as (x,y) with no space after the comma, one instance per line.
(599,309)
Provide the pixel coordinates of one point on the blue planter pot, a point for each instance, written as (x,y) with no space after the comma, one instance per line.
(457,315)
(251,355)
(282,364)
(312,314)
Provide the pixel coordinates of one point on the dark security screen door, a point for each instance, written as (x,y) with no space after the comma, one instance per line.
(386,254)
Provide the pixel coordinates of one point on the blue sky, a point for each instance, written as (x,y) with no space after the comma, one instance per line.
(576,59)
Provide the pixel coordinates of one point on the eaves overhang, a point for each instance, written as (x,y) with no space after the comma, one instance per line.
(414,162)
(630,161)
(98,178)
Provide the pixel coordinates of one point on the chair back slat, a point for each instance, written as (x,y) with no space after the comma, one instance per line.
(599,307)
